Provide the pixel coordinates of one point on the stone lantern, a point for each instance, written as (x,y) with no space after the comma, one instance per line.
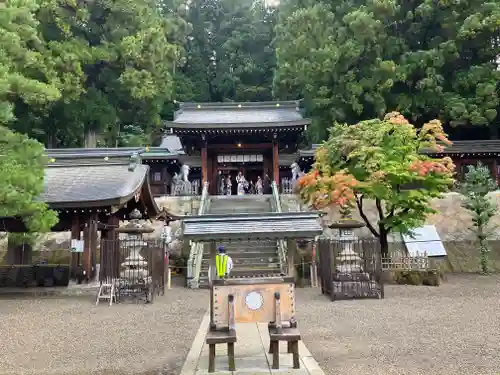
(349,278)
(134,269)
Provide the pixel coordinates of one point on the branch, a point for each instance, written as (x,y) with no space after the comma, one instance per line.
(359,203)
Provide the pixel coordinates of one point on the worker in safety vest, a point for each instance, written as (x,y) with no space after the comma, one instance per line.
(223,264)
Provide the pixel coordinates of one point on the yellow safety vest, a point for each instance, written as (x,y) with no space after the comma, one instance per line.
(221,263)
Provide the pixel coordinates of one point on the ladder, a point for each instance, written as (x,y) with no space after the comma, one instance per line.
(107,291)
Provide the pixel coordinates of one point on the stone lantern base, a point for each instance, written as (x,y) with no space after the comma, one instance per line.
(354,285)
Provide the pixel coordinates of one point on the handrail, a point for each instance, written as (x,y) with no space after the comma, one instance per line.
(196,252)
(282,249)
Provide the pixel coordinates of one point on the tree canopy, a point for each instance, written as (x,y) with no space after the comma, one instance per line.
(22,162)
(355,60)
(107,66)
(380,160)
(230,56)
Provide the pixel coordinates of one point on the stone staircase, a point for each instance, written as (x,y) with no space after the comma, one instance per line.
(250,258)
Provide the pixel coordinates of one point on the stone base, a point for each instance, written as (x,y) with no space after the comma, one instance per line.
(357,286)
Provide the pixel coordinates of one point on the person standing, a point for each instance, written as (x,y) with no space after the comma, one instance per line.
(258,186)
(240,180)
(229,185)
(223,265)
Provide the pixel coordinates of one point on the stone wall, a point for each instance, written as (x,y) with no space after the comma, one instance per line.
(452,221)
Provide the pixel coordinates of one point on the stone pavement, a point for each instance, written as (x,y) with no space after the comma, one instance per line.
(251,352)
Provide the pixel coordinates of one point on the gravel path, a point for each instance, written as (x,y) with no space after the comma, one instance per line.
(453,329)
(72,336)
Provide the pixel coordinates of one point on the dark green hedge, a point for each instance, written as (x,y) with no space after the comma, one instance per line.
(34,275)
(411,277)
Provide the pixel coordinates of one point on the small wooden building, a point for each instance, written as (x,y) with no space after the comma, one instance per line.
(91,190)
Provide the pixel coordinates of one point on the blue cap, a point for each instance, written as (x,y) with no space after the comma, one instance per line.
(221,249)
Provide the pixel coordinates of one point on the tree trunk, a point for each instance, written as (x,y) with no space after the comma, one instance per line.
(384,243)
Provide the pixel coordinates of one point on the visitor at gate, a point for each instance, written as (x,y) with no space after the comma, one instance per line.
(223,264)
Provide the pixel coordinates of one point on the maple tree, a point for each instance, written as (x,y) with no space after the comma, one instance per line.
(380,160)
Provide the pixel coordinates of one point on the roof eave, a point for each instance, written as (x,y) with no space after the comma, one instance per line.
(244,125)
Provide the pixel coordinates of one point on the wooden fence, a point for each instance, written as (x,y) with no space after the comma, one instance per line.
(417,262)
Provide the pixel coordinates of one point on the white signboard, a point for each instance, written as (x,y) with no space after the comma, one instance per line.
(239,158)
(425,239)
(76,246)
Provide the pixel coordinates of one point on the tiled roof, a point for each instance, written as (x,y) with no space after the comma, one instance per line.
(252,226)
(470,147)
(286,160)
(96,177)
(458,147)
(94,185)
(172,143)
(309,153)
(221,115)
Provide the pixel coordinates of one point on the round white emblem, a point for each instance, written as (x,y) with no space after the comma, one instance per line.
(254,300)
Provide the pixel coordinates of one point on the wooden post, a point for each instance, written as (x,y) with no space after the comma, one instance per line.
(89,245)
(212,275)
(204,163)
(292,249)
(495,170)
(87,251)
(276,169)
(75,235)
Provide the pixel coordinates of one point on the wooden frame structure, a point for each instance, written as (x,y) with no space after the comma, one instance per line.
(252,300)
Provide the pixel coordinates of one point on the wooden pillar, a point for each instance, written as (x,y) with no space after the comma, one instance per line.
(75,235)
(110,260)
(89,245)
(292,249)
(495,170)
(204,163)
(276,169)
(212,276)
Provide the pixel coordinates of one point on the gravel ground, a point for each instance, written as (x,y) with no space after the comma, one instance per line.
(453,329)
(72,336)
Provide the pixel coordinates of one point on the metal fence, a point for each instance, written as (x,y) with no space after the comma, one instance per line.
(350,269)
(136,267)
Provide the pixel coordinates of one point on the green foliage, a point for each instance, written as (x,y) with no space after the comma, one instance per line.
(478,183)
(26,70)
(355,60)
(380,160)
(105,65)
(229,55)
(22,163)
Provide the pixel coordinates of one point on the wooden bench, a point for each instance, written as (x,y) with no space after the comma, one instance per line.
(226,335)
(283,331)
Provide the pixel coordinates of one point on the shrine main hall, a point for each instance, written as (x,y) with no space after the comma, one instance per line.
(254,138)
